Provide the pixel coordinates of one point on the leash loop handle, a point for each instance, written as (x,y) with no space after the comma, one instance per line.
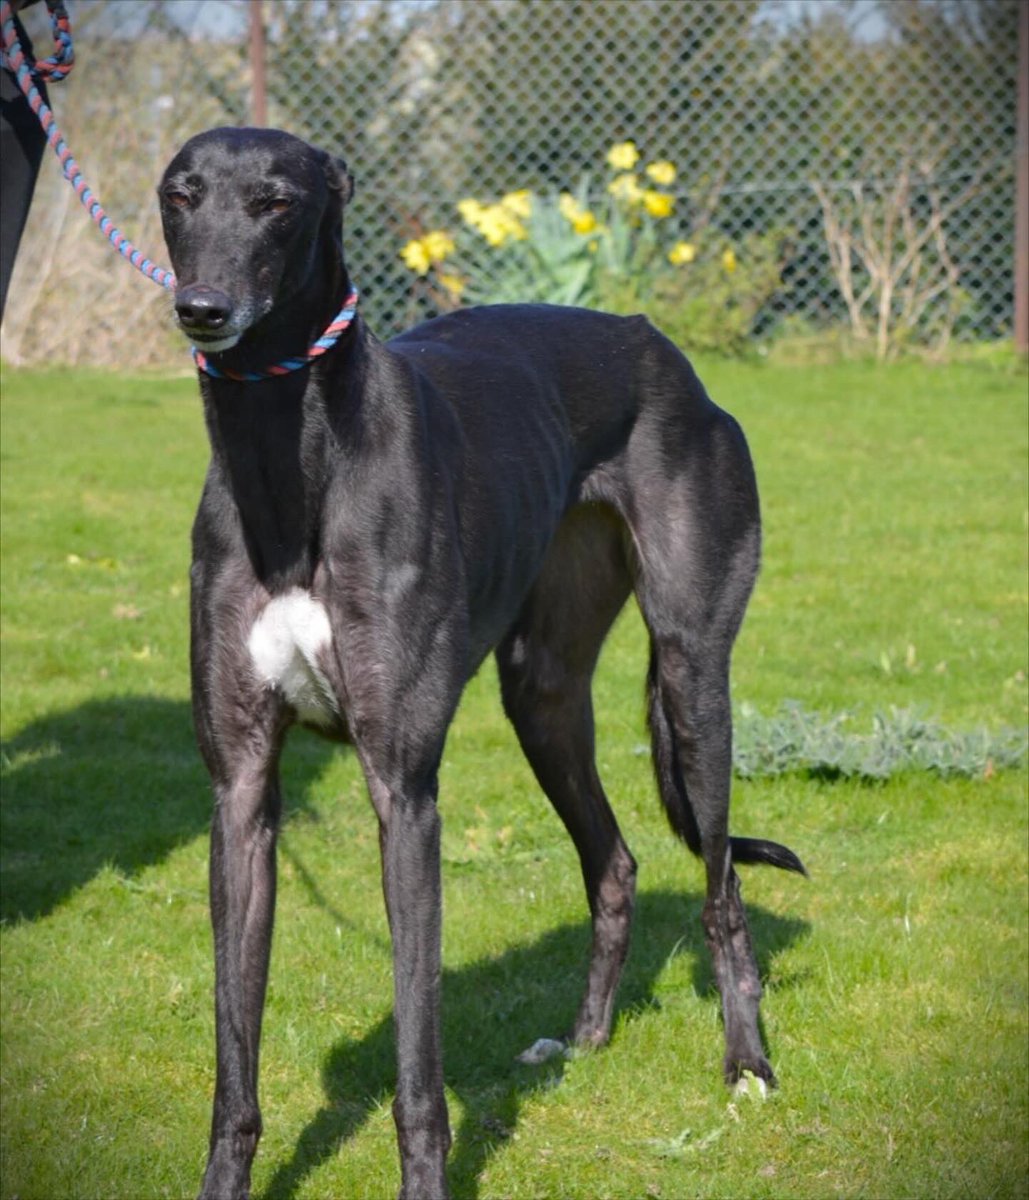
(57,67)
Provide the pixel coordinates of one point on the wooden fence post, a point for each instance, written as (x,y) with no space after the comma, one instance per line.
(258,87)
(1022,187)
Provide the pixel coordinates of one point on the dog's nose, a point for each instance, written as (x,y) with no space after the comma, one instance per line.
(201,307)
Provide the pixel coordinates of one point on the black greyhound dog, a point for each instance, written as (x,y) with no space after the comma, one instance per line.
(373,523)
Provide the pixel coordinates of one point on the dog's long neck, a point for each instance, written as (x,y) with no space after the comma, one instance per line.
(269,438)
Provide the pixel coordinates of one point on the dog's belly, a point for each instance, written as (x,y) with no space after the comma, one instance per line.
(286,643)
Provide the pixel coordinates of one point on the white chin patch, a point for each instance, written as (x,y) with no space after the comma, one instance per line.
(216,347)
(284,644)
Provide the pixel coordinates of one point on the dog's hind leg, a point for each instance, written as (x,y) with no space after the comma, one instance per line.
(697,543)
(690,721)
(546,664)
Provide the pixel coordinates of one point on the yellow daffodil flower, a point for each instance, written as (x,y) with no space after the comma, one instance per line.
(626,188)
(416,257)
(662,172)
(519,203)
(580,219)
(658,204)
(682,253)
(567,206)
(420,253)
(470,211)
(729,261)
(497,223)
(454,285)
(438,244)
(623,156)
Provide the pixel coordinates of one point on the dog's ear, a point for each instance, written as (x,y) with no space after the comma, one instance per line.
(338,177)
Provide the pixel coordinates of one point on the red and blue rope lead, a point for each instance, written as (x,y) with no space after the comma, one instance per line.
(55,69)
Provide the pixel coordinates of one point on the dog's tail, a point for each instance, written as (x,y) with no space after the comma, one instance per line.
(759,850)
(676,802)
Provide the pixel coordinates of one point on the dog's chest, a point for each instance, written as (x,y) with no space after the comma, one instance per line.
(288,643)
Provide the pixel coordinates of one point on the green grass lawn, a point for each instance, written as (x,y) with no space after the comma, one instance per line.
(896,1005)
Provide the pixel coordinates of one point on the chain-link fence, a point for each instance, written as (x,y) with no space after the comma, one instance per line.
(841,165)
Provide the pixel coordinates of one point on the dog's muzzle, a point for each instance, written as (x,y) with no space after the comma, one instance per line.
(206,317)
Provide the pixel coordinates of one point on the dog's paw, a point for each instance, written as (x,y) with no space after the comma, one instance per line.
(542,1050)
(750,1087)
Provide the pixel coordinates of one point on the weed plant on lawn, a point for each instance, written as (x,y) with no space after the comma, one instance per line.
(896,978)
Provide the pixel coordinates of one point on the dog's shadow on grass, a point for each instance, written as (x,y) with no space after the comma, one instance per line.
(119,782)
(114,782)
(496,1008)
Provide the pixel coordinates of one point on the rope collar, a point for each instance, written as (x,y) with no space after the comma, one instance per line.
(341,321)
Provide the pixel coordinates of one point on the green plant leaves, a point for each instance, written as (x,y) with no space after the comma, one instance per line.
(793,739)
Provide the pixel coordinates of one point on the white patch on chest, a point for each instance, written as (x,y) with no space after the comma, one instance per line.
(284,643)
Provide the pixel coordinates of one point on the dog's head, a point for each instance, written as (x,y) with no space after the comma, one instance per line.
(249,217)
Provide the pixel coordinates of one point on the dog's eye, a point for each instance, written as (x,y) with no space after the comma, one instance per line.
(278,205)
(177,199)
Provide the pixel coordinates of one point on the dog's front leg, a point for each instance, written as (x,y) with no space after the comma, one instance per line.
(402,650)
(240,727)
(409,838)
(242,887)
